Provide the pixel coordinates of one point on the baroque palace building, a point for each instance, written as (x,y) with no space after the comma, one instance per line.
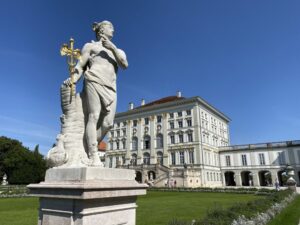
(186,142)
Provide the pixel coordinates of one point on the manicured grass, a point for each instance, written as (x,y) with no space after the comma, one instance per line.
(290,215)
(160,207)
(156,208)
(18,211)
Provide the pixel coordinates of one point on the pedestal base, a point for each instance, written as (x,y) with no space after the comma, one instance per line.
(88,196)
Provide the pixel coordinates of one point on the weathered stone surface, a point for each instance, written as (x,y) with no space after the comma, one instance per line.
(88,196)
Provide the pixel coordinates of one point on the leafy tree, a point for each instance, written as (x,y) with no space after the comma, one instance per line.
(21,165)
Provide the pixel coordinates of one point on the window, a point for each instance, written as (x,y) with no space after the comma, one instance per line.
(190,137)
(191,156)
(281,158)
(118,124)
(112,134)
(172,137)
(124,124)
(146,121)
(159,141)
(180,123)
(146,158)
(118,145)
(180,138)
(173,158)
(189,122)
(135,123)
(134,143)
(118,133)
(188,112)
(244,160)
(133,159)
(117,160)
(179,114)
(111,145)
(147,140)
(207,175)
(160,158)
(110,162)
(124,132)
(171,125)
(181,157)
(262,159)
(123,160)
(171,115)
(124,144)
(227,157)
(159,119)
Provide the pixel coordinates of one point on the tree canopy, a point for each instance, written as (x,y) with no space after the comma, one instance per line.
(21,165)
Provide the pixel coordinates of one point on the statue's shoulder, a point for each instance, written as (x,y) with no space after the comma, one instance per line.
(88,46)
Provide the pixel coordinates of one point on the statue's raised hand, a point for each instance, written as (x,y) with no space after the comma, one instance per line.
(68,82)
(107,43)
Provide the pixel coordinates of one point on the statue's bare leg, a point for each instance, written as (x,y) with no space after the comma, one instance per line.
(94,109)
(108,121)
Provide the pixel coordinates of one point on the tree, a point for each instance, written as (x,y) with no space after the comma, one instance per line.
(21,165)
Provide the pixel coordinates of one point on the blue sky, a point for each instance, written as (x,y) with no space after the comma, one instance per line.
(243,57)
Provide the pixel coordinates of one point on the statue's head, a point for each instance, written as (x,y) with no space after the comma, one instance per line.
(104,28)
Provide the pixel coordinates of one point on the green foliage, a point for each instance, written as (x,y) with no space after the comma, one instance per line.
(21,165)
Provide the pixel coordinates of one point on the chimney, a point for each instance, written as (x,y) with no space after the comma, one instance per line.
(143,102)
(178,94)
(131,106)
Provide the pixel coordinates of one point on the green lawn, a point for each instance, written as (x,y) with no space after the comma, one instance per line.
(156,208)
(18,211)
(290,215)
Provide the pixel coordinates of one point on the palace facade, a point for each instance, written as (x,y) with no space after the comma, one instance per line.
(186,142)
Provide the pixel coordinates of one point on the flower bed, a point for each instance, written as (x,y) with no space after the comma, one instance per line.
(13,191)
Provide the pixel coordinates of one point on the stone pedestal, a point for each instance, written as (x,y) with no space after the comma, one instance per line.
(88,196)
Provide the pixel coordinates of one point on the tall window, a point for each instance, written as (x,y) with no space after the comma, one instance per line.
(124,132)
(262,159)
(146,121)
(124,143)
(158,119)
(171,115)
(173,158)
(111,145)
(244,160)
(191,156)
(160,158)
(179,114)
(172,125)
(134,143)
(112,134)
(281,158)
(118,133)
(228,163)
(118,145)
(135,123)
(180,136)
(181,157)
(133,159)
(188,112)
(110,162)
(147,140)
(180,123)
(146,158)
(190,137)
(172,138)
(189,122)
(159,141)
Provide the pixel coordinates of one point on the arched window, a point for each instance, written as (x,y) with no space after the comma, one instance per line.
(147,141)
(146,158)
(133,159)
(134,143)
(159,141)
(160,158)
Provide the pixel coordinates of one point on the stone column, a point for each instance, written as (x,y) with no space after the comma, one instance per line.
(255,179)
(165,136)
(238,179)
(87,196)
(128,143)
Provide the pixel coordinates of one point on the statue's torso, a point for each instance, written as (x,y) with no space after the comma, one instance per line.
(102,63)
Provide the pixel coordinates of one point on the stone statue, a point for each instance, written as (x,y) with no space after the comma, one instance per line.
(4,179)
(89,115)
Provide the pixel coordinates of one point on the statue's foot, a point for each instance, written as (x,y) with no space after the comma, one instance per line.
(95,161)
